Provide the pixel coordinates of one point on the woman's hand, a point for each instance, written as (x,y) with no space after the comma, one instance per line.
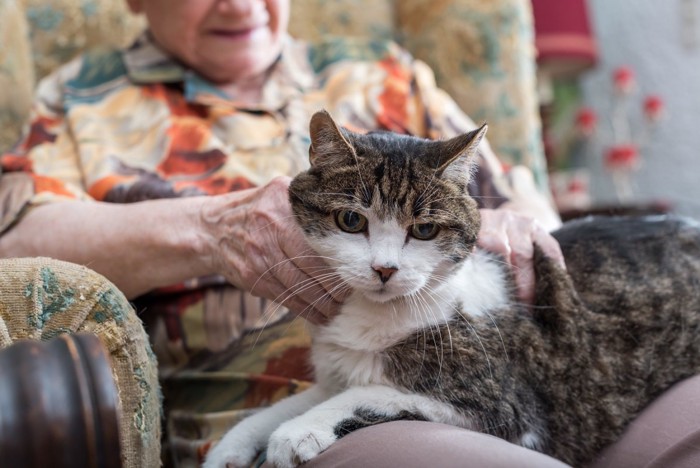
(513,236)
(257,245)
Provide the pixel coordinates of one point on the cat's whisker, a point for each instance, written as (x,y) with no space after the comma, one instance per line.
(351,196)
(277,305)
(435,292)
(310,282)
(271,223)
(342,283)
(422,330)
(426,195)
(441,355)
(481,343)
(497,258)
(498,330)
(367,194)
(297,289)
(448,216)
(425,331)
(434,324)
(292,260)
(307,284)
(413,307)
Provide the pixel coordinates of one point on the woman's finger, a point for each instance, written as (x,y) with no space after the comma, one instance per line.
(519,231)
(549,245)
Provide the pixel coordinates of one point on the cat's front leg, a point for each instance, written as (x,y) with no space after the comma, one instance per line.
(245,440)
(302,438)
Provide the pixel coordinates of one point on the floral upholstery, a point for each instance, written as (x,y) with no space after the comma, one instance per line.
(313,19)
(16,72)
(488,66)
(61,29)
(481,50)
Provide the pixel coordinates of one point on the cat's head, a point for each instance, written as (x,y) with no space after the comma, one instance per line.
(390,213)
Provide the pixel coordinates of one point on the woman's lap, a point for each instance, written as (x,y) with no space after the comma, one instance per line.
(666,434)
(423,444)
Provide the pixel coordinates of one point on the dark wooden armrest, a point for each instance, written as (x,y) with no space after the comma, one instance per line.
(58,404)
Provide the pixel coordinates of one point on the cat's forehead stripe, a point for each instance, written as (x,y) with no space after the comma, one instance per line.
(395,185)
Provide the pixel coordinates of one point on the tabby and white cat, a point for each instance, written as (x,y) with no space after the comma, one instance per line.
(432,331)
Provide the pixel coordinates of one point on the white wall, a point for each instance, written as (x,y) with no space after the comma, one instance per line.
(647,36)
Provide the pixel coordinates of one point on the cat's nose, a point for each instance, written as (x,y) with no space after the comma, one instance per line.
(385,272)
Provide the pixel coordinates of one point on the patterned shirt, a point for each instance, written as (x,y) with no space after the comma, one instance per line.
(128,125)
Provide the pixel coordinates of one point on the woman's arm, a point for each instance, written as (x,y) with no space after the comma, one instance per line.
(249,237)
(139,246)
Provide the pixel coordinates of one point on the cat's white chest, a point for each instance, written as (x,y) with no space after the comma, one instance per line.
(341,367)
(350,350)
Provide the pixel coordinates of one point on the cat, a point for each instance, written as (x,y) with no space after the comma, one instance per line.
(432,330)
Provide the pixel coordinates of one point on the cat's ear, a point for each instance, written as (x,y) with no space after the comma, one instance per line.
(329,143)
(457,155)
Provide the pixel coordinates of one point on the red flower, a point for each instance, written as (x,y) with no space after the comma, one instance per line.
(653,108)
(622,157)
(577,185)
(623,78)
(586,120)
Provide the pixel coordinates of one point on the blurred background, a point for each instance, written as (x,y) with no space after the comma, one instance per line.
(621,113)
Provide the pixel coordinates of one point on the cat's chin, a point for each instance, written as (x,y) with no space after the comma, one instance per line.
(389,292)
(383,296)
(379,297)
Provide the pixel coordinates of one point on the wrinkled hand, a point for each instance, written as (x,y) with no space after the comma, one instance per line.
(513,236)
(258,246)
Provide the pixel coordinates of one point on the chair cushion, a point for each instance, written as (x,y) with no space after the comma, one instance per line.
(483,55)
(311,20)
(62,29)
(16,72)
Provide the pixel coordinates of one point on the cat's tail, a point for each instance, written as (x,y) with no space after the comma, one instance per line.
(557,304)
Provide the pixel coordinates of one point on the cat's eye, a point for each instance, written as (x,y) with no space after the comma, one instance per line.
(350,221)
(425,231)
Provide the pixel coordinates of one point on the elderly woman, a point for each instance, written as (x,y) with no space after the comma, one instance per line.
(165,167)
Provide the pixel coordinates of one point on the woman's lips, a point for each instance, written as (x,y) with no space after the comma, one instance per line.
(239,33)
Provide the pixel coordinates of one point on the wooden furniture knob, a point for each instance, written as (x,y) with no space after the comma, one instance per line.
(58,404)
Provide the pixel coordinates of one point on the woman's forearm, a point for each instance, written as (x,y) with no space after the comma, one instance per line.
(138,246)
(250,237)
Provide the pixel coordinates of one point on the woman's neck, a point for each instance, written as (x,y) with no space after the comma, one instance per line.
(246,91)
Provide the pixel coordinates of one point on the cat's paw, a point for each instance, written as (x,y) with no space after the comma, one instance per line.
(238,448)
(223,455)
(296,442)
